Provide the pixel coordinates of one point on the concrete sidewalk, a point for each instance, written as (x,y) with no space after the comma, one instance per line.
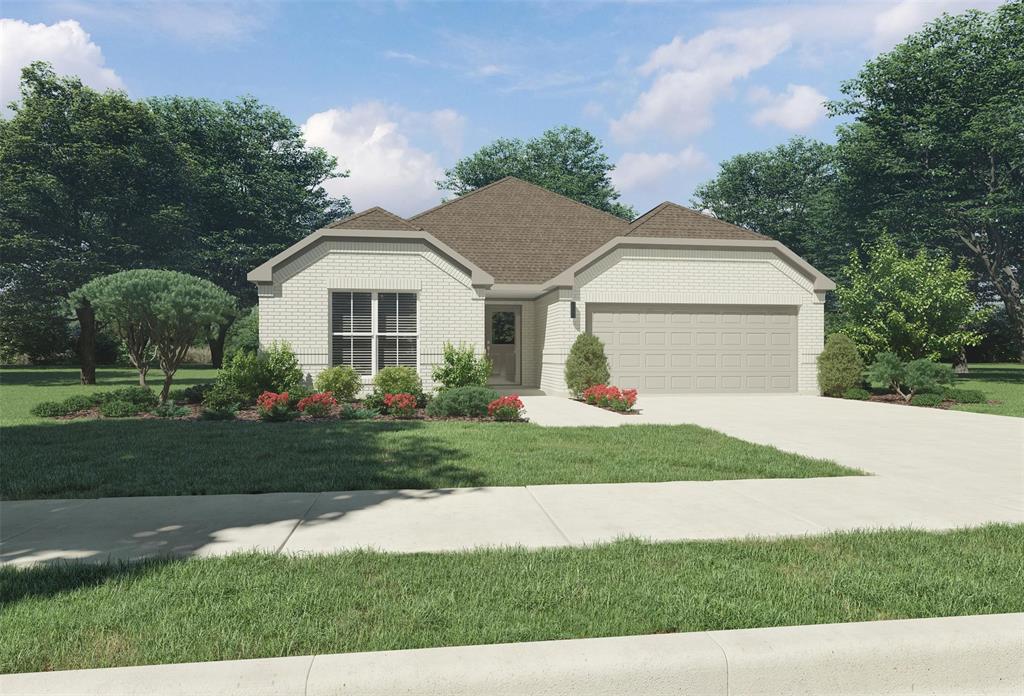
(969,654)
(932,470)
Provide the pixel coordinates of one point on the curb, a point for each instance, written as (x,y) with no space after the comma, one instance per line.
(969,654)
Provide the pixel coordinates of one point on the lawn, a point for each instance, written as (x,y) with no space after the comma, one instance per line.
(71,616)
(1003,382)
(112,457)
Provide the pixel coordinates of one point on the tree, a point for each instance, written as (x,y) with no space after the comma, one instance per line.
(788,193)
(935,154)
(157,314)
(916,307)
(566,160)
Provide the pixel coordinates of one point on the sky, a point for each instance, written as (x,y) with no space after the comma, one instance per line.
(398,91)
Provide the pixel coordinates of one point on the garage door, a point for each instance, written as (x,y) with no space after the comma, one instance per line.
(694,348)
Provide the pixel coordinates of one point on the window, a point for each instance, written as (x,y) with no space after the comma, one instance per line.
(366,347)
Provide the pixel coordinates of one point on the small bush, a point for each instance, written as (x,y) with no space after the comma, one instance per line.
(840,367)
(857,394)
(143,398)
(926,399)
(78,402)
(275,370)
(275,407)
(196,393)
(317,405)
(222,413)
(462,368)
(350,412)
(50,409)
(171,410)
(887,371)
(462,402)
(965,396)
(400,405)
(341,380)
(222,397)
(297,394)
(375,402)
(610,397)
(927,376)
(586,365)
(398,380)
(118,409)
(505,408)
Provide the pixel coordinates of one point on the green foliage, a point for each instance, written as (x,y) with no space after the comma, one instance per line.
(218,414)
(586,365)
(926,399)
(222,396)
(907,379)
(857,394)
(142,397)
(196,393)
(171,410)
(244,335)
(839,366)
(923,375)
(462,368)
(78,402)
(398,380)
(50,409)
(342,381)
(250,374)
(115,408)
(965,396)
(461,402)
(566,160)
(916,307)
(887,370)
(350,412)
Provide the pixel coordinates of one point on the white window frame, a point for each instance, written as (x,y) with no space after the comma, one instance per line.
(374,333)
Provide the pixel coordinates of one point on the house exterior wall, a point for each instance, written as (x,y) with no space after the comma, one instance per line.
(295,307)
(682,276)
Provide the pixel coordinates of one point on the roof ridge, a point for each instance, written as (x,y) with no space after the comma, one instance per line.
(459,198)
(653,211)
(374,209)
(633,226)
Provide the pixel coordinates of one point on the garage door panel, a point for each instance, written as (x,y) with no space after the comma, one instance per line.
(730,349)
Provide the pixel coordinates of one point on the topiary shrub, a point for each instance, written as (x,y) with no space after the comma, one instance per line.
(78,402)
(965,396)
(115,408)
(462,402)
(398,380)
(586,365)
(839,366)
(857,394)
(50,409)
(341,380)
(462,368)
(926,399)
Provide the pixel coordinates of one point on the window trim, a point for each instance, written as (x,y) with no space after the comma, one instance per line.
(374,332)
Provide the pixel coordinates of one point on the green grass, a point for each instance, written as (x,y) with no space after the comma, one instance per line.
(1003,382)
(105,458)
(73,616)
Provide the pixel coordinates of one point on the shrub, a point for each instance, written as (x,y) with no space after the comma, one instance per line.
(839,366)
(225,413)
(350,412)
(78,402)
(50,409)
(462,402)
(401,405)
(398,380)
(297,394)
(610,397)
(317,405)
(965,396)
(907,379)
(275,407)
(462,368)
(887,371)
(222,397)
(926,376)
(857,394)
(275,370)
(375,402)
(586,365)
(118,409)
(171,410)
(341,380)
(505,408)
(142,397)
(926,399)
(196,393)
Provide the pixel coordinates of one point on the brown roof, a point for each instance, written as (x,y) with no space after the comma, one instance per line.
(519,232)
(374,219)
(672,220)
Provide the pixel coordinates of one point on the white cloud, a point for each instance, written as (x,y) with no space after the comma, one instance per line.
(639,170)
(894,23)
(198,21)
(490,70)
(410,58)
(65,45)
(375,142)
(796,109)
(691,75)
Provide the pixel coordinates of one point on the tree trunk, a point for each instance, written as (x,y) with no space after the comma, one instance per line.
(87,342)
(216,343)
(960,364)
(166,390)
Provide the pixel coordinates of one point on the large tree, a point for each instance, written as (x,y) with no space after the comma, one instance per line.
(935,154)
(566,160)
(788,193)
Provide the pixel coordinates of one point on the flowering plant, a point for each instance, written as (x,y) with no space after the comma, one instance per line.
(401,405)
(505,408)
(317,405)
(274,407)
(610,397)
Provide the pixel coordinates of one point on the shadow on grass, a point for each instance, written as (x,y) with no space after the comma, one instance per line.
(1009,375)
(105,376)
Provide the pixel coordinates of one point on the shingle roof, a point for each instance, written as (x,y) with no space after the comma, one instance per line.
(374,219)
(519,232)
(672,220)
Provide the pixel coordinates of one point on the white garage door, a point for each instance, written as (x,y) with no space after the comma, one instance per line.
(695,348)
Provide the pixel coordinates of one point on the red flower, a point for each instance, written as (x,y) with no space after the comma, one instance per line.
(505,408)
(402,405)
(607,396)
(268,400)
(319,404)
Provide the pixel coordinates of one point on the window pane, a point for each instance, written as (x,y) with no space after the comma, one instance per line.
(503,328)
(362,312)
(387,351)
(407,312)
(341,350)
(407,352)
(387,312)
(341,312)
(354,351)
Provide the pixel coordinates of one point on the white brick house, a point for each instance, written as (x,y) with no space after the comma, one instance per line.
(682,301)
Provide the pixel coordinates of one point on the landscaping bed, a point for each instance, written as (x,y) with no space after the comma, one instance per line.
(75,616)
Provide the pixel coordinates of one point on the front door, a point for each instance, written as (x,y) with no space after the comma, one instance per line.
(503,339)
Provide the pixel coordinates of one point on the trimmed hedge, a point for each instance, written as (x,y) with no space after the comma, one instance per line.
(462,402)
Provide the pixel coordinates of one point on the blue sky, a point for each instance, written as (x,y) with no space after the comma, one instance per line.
(399,90)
